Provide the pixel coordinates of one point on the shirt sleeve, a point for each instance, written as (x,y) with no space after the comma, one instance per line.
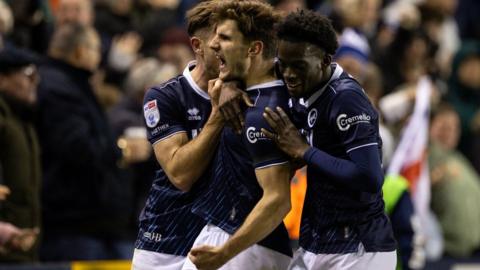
(162,113)
(263,151)
(354,120)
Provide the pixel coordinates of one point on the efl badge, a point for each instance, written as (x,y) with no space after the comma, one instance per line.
(312,117)
(151,113)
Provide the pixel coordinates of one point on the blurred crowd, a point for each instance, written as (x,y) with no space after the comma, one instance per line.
(75,165)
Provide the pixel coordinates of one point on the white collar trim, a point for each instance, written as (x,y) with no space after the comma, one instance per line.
(336,74)
(187,74)
(266,85)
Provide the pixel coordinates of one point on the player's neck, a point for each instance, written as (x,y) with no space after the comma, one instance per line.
(320,86)
(260,72)
(200,76)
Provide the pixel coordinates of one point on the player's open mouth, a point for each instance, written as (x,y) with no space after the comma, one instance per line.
(221,60)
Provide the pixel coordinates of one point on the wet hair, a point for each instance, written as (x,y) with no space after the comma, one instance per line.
(311,27)
(255,20)
(198,17)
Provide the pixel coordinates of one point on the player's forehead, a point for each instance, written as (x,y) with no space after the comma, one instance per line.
(227,27)
(288,50)
(291,51)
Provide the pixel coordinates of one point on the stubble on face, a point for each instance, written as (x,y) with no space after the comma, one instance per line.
(232,51)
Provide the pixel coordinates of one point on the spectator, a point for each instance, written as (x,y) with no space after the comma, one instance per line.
(464,95)
(74,11)
(126,119)
(406,59)
(19,155)
(455,186)
(31,24)
(6,21)
(86,202)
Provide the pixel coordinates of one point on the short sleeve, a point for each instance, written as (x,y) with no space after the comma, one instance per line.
(162,113)
(354,120)
(263,151)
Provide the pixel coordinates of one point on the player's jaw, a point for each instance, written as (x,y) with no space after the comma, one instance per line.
(294,85)
(230,66)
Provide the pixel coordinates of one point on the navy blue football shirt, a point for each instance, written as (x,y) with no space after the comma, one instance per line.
(167,224)
(234,190)
(338,119)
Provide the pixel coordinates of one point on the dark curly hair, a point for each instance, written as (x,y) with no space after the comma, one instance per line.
(255,20)
(311,27)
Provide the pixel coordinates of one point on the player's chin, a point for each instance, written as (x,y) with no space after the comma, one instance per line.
(225,76)
(295,92)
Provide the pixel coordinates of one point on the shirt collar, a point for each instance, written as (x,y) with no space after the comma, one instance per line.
(336,74)
(188,75)
(266,85)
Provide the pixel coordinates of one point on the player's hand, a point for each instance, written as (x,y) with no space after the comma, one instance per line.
(285,134)
(214,88)
(232,103)
(4,192)
(207,257)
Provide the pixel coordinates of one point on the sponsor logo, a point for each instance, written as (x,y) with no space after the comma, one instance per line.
(151,113)
(193,114)
(159,129)
(253,135)
(312,117)
(344,122)
(152,236)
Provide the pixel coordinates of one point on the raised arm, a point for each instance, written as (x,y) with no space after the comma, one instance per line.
(185,161)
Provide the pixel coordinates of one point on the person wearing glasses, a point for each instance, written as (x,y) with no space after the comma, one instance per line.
(19,157)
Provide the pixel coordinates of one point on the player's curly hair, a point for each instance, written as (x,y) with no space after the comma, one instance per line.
(255,19)
(311,27)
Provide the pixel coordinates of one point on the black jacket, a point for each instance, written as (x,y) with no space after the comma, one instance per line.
(83,190)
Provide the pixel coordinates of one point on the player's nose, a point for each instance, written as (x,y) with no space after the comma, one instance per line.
(213,44)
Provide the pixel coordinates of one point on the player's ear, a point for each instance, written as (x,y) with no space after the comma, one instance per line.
(196,44)
(327,60)
(256,48)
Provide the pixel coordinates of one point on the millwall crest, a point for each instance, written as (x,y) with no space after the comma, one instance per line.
(151,113)
(312,117)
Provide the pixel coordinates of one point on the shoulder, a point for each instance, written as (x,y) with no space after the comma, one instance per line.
(56,83)
(169,89)
(273,96)
(348,90)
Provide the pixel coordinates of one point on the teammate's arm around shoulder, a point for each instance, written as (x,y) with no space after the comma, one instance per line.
(185,161)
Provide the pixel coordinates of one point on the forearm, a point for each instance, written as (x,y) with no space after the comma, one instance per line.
(264,218)
(195,155)
(362,177)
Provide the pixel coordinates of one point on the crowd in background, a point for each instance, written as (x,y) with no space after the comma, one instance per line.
(75,165)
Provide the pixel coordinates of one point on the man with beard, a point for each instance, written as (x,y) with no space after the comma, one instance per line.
(249,193)
(183,128)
